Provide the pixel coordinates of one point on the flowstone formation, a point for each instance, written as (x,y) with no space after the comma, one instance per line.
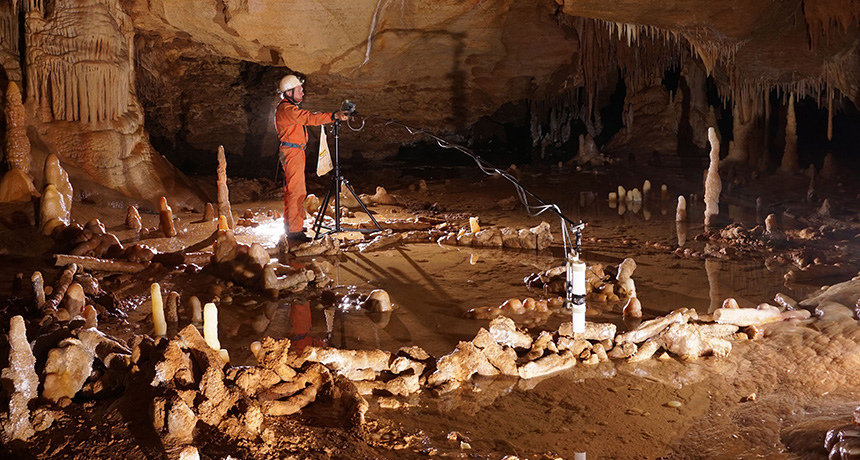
(80,102)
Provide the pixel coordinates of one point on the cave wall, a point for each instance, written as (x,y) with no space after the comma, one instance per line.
(439,66)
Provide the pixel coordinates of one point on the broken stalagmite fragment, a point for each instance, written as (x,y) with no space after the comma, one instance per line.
(378,301)
(747,316)
(24,383)
(67,368)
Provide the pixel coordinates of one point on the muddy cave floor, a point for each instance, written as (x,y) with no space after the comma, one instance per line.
(774,397)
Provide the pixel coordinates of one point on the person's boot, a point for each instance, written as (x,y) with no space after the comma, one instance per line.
(294,238)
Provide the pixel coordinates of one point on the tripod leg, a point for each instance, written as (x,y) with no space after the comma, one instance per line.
(362,205)
(318,221)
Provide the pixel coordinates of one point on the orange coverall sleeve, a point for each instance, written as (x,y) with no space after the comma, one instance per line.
(289,119)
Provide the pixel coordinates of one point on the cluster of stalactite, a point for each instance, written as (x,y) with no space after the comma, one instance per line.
(822,16)
(612,47)
(8,27)
(79,60)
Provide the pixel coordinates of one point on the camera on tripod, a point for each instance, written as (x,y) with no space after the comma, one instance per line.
(348,107)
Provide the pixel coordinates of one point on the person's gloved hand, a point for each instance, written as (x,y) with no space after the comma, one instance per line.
(341,115)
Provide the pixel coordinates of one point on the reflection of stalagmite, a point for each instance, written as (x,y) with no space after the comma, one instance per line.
(789,156)
(712,267)
(223,193)
(681,231)
(713,185)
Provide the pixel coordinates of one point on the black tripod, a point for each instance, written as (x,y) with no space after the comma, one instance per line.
(336,182)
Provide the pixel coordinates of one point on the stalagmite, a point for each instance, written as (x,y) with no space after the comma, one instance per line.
(681,210)
(17,143)
(17,184)
(646,189)
(209,212)
(171,307)
(633,308)
(58,177)
(132,219)
(223,192)
(829,170)
(21,374)
(713,185)
(91,317)
(52,213)
(770,225)
(789,157)
(664,192)
(210,326)
(74,299)
(158,321)
(196,311)
(378,301)
(165,219)
(17,187)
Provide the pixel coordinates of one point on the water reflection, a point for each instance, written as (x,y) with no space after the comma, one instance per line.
(681,232)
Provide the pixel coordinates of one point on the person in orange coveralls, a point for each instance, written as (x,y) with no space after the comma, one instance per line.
(291,123)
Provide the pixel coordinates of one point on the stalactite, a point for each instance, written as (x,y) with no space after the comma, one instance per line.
(823,15)
(766,119)
(789,156)
(829,113)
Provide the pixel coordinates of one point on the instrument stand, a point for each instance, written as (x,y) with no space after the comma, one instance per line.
(334,190)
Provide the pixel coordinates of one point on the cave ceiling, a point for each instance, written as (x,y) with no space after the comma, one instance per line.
(442,65)
(189,76)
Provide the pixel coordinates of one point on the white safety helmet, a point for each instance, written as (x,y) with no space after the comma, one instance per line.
(289,82)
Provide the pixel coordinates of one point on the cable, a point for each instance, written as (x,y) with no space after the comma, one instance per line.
(571,248)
